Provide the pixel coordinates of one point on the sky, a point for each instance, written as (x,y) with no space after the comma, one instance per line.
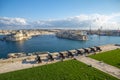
(27,14)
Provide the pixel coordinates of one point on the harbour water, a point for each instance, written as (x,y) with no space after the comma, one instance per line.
(53,44)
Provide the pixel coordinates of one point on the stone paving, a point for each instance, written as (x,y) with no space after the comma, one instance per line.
(8,67)
(100,66)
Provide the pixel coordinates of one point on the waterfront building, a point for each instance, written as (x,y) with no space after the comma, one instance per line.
(19,35)
(71,34)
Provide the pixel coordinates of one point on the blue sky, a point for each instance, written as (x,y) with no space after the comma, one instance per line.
(56,9)
(47,13)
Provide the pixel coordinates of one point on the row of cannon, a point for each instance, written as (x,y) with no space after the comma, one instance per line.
(69,53)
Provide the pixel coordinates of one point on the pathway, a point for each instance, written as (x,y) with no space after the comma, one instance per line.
(100,66)
(19,65)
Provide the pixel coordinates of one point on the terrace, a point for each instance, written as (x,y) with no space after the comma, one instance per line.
(79,54)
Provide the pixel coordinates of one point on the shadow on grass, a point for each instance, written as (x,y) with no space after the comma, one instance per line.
(28,62)
(33,61)
(118,64)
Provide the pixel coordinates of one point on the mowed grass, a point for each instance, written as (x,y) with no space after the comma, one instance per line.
(67,70)
(109,57)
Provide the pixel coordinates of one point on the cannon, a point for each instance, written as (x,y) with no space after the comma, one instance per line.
(50,57)
(86,50)
(79,52)
(61,55)
(98,48)
(92,49)
(38,59)
(70,54)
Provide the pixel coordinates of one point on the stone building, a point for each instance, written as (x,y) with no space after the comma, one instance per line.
(70,34)
(19,35)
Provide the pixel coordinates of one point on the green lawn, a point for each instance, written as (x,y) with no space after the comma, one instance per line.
(109,57)
(67,70)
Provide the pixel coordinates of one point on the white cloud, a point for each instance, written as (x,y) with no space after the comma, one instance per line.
(82,22)
(14,21)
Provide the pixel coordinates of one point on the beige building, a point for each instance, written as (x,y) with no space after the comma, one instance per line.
(70,34)
(17,36)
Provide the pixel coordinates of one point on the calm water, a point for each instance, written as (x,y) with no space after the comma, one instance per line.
(52,44)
